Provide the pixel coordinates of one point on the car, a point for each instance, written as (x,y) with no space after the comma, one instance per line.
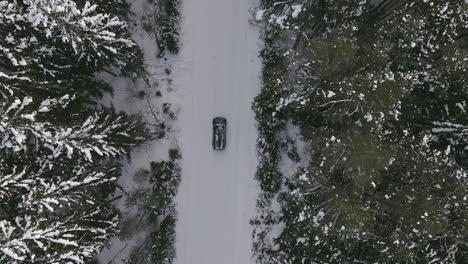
(219,133)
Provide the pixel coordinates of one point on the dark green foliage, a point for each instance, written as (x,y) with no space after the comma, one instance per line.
(289,146)
(269,177)
(155,205)
(378,90)
(174,154)
(168,21)
(163,22)
(164,240)
(268,123)
(118,8)
(158,246)
(59,158)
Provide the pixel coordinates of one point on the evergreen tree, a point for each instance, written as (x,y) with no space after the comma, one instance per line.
(56,175)
(59,158)
(155,205)
(50,41)
(377,89)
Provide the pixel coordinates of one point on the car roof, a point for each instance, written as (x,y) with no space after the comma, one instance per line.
(219,120)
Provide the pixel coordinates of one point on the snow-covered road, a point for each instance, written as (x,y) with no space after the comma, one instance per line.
(217,195)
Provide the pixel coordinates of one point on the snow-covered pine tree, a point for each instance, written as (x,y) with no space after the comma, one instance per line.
(57,168)
(51,213)
(378,89)
(156,210)
(118,8)
(58,157)
(49,40)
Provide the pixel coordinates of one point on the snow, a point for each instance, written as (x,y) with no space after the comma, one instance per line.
(296,10)
(280,21)
(259,15)
(124,98)
(288,167)
(368,117)
(217,196)
(444,8)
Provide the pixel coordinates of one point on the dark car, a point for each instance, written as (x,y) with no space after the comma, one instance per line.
(219,133)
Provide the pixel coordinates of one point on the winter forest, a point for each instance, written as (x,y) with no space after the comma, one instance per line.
(361,116)
(368,100)
(60,149)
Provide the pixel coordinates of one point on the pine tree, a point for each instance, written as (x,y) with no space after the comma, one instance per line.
(59,157)
(378,91)
(53,40)
(52,173)
(155,205)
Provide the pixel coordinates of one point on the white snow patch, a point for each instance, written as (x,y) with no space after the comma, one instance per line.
(368,117)
(296,10)
(259,15)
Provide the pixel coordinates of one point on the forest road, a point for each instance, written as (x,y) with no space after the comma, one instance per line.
(217,195)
